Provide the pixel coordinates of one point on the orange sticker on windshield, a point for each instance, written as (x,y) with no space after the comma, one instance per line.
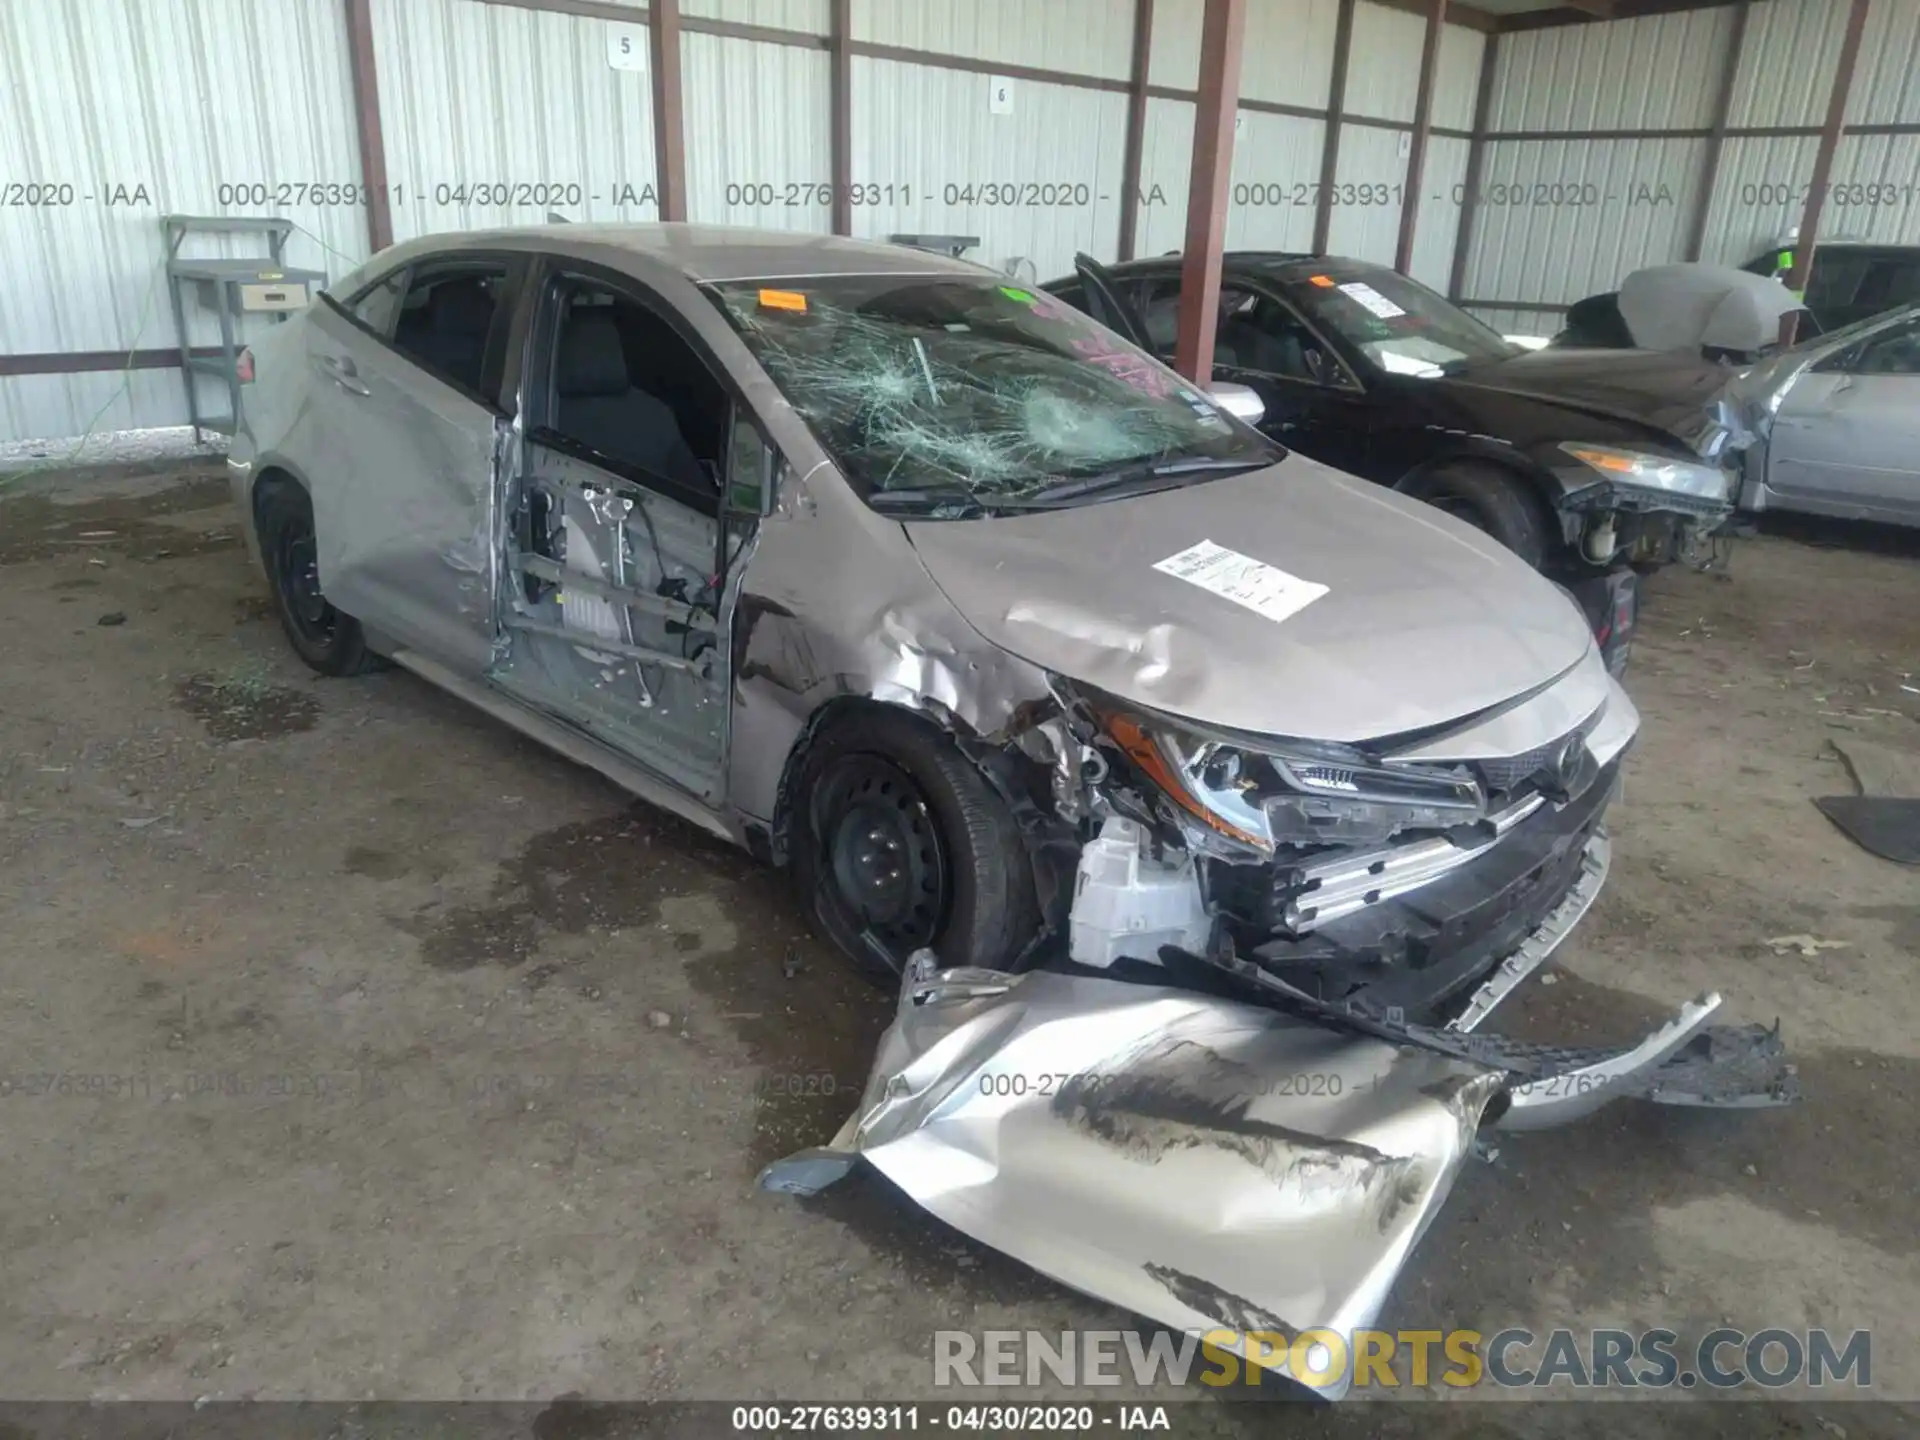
(783,300)
(1325,282)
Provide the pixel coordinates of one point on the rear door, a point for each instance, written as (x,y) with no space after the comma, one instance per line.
(405,385)
(1846,440)
(636,495)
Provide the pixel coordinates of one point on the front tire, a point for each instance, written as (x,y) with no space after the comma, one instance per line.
(900,843)
(328,640)
(1493,501)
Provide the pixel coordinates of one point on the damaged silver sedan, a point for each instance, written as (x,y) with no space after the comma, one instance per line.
(1186,756)
(1008,641)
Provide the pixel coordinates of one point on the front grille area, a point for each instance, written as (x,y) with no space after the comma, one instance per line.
(1507,773)
(1431,941)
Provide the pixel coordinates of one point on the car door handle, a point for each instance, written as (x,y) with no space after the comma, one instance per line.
(343,373)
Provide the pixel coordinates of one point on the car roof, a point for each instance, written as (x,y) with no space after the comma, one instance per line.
(1280,264)
(699,252)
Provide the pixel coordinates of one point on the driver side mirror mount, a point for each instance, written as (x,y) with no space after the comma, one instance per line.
(1240,401)
(753,468)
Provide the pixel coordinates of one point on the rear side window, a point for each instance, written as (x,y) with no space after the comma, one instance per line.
(446,317)
(1889,282)
(1894,352)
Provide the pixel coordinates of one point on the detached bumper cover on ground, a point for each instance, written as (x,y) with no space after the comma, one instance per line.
(1214,1163)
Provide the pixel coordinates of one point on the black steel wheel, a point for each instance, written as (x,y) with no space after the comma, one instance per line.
(898,842)
(885,856)
(327,639)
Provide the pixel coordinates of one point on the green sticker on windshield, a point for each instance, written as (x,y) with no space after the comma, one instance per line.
(1013,292)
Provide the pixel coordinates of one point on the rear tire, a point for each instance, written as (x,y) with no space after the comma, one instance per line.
(899,843)
(328,640)
(1493,501)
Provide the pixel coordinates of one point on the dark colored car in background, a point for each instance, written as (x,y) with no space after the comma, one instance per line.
(1850,281)
(1589,465)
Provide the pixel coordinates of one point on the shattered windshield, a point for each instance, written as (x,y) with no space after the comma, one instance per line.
(944,391)
(1397,323)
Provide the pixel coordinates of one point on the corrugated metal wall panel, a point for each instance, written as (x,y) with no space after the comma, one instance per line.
(181,97)
(1759,194)
(1438,224)
(759,148)
(1456,85)
(1166,167)
(930,129)
(1520,322)
(491,96)
(811,16)
(61,408)
(1287,55)
(1788,62)
(1383,68)
(1088,37)
(1876,190)
(1886,86)
(1653,73)
(1366,221)
(1174,55)
(1276,168)
(1562,219)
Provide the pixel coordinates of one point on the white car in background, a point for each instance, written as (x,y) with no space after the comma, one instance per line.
(1839,424)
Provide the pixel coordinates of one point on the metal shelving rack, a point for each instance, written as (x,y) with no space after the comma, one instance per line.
(254,284)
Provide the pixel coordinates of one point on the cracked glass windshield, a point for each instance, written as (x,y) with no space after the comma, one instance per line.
(955,395)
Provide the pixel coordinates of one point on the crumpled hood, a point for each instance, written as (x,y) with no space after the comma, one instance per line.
(1423,619)
(1674,393)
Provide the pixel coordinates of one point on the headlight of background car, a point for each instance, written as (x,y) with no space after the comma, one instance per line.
(1262,794)
(1652,472)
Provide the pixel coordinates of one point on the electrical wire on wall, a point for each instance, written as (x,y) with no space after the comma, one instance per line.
(61,462)
(72,454)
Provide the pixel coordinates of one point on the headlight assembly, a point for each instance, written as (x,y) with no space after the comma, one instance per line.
(1652,472)
(1259,794)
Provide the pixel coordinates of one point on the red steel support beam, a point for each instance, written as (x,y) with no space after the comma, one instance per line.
(1330,149)
(1220,35)
(840,105)
(1134,156)
(1809,235)
(1476,166)
(366,114)
(669,130)
(1422,125)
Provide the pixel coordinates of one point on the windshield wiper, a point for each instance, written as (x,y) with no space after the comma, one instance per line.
(1144,474)
(910,500)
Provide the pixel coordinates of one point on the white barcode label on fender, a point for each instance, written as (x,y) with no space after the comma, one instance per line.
(1262,588)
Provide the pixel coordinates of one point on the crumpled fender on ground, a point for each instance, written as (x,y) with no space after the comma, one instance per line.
(1217,1163)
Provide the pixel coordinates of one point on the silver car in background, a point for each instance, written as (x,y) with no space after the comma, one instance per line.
(1839,424)
(1001,635)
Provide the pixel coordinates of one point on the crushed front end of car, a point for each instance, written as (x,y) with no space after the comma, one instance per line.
(1400,873)
(1252,1057)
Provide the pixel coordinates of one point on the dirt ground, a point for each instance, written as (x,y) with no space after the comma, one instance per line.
(404,1059)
